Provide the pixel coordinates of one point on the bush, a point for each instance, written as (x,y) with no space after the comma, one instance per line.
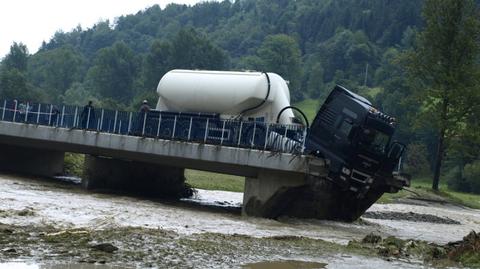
(466,179)
(73,164)
(471,172)
(416,162)
(456,181)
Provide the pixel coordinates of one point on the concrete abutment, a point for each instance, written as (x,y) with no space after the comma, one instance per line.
(31,161)
(134,177)
(267,195)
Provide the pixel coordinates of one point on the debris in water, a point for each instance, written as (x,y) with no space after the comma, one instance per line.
(410,216)
(105,247)
(371,239)
(5,229)
(467,250)
(26,212)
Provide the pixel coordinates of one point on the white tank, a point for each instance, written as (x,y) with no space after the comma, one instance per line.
(226,93)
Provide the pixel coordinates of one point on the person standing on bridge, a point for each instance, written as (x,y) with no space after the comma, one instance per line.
(141,118)
(145,107)
(88,116)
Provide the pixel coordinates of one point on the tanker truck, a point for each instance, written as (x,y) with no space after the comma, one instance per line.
(252,109)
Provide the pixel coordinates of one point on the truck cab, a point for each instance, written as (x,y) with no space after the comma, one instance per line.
(356,139)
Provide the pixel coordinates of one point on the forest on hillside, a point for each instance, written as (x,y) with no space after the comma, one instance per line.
(311,43)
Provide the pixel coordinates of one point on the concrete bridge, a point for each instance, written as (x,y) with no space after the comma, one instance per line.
(147,164)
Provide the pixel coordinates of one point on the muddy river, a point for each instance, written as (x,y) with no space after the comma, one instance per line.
(56,224)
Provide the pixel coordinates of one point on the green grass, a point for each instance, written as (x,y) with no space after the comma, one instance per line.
(214,181)
(423,187)
(309,107)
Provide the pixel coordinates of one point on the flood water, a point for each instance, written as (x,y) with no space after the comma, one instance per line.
(67,206)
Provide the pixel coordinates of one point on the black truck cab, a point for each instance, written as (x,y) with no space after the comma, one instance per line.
(356,140)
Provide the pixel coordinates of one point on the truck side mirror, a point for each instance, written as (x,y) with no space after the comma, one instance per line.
(396,150)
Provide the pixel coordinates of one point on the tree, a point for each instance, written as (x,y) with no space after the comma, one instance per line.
(190,50)
(444,68)
(55,70)
(13,84)
(17,57)
(114,72)
(13,79)
(77,95)
(280,54)
(157,63)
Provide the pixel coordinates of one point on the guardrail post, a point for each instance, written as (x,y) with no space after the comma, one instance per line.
(75,118)
(50,116)
(4,107)
(284,138)
(206,132)
(120,126)
(266,137)
(253,136)
(15,110)
(304,138)
(223,130)
(144,122)
(115,121)
(75,123)
(174,127)
(159,122)
(101,119)
(88,119)
(240,133)
(26,112)
(129,123)
(189,129)
(38,114)
(63,115)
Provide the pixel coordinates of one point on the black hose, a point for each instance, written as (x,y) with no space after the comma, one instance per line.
(294,108)
(263,101)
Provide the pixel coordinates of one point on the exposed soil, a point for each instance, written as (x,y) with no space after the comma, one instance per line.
(465,251)
(128,246)
(409,216)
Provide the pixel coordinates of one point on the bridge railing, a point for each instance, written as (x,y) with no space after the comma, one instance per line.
(187,127)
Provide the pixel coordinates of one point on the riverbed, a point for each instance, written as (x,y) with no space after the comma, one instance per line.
(206,231)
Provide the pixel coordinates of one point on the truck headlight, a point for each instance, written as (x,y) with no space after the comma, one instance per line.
(346,171)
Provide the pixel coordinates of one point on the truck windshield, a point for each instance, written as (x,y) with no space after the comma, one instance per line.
(374,140)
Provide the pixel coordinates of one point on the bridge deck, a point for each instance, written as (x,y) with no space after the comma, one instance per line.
(223,159)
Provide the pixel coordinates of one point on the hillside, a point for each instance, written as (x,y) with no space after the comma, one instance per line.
(310,43)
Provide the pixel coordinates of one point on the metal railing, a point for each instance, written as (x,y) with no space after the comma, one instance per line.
(187,127)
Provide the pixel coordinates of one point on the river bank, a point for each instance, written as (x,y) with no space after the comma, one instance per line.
(56,222)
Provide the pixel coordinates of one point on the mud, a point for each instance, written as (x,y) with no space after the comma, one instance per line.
(25,265)
(409,216)
(154,247)
(51,222)
(465,252)
(285,265)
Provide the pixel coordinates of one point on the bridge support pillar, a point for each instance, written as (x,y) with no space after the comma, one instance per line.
(267,195)
(134,177)
(31,161)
